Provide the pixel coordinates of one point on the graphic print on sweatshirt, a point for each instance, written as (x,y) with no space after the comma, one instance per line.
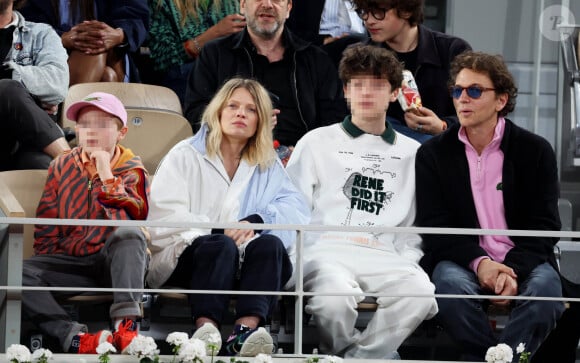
(367,191)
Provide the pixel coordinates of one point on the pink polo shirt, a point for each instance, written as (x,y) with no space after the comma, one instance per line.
(485,172)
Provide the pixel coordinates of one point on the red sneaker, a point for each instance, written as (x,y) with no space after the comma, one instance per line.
(123,336)
(87,343)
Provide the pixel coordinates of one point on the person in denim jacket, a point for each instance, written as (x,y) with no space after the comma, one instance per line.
(33,81)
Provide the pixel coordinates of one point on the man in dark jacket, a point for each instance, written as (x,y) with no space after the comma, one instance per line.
(396,25)
(488,173)
(300,77)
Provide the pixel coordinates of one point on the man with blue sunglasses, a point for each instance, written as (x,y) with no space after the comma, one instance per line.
(488,173)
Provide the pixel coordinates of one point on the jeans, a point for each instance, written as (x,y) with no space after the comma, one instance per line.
(26,129)
(530,321)
(121,263)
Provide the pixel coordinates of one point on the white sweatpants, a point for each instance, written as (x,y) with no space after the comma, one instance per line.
(351,268)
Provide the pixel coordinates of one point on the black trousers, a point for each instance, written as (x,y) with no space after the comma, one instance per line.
(211,262)
(25,129)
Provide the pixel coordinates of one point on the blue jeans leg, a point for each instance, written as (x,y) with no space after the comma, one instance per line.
(531,320)
(464,319)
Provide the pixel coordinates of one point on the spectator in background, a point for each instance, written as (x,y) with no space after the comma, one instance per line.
(298,74)
(33,81)
(330,24)
(180,28)
(427,54)
(99,35)
(227,172)
(488,173)
(324,21)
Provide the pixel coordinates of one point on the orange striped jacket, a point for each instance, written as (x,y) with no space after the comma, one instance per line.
(71,193)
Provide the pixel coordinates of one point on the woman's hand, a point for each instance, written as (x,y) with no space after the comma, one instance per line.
(92,37)
(239,235)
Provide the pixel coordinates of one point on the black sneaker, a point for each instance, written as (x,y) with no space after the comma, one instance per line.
(248,342)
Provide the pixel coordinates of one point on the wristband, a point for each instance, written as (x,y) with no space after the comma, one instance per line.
(192,47)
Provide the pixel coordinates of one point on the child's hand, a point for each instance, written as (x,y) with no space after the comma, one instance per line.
(102,160)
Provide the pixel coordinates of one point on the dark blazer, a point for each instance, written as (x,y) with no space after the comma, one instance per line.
(530,192)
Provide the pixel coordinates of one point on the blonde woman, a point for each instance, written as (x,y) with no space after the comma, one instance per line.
(227,172)
(180,28)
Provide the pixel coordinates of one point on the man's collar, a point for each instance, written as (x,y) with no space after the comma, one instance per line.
(388,135)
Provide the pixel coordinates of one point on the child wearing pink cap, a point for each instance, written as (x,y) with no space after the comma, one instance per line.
(99,179)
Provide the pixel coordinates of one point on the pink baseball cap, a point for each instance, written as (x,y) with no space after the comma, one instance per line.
(103,101)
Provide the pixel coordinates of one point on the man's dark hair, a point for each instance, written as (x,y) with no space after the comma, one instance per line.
(17,4)
(370,60)
(494,67)
(412,10)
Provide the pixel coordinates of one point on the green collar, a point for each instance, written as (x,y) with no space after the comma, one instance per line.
(351,129)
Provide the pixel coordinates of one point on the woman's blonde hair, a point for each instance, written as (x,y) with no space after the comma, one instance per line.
(259,150)
(191,8)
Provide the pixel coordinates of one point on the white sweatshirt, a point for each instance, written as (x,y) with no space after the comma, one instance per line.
(351,178)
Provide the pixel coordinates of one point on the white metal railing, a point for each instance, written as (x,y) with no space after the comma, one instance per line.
(298,293)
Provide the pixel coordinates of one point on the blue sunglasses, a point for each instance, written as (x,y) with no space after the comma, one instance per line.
(472,91)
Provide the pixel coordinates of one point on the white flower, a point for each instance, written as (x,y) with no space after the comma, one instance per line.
(263,358)
(214,338)
(18,353)
(106,347)
(521,348)
(332,359)
(501,353)
(192,350)
(142,347)
(41,352)
(177,338)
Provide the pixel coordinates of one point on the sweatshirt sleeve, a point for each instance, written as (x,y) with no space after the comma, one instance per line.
(126,194)
(286,205)
(170,200)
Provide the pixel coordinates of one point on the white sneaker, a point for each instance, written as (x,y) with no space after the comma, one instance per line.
(209,334)
(259,341)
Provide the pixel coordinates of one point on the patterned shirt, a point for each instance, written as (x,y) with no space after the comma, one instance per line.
(167,34)
(72,191)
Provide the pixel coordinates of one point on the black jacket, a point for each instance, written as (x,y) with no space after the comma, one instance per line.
(530,191)
(315,83)
(434,55)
